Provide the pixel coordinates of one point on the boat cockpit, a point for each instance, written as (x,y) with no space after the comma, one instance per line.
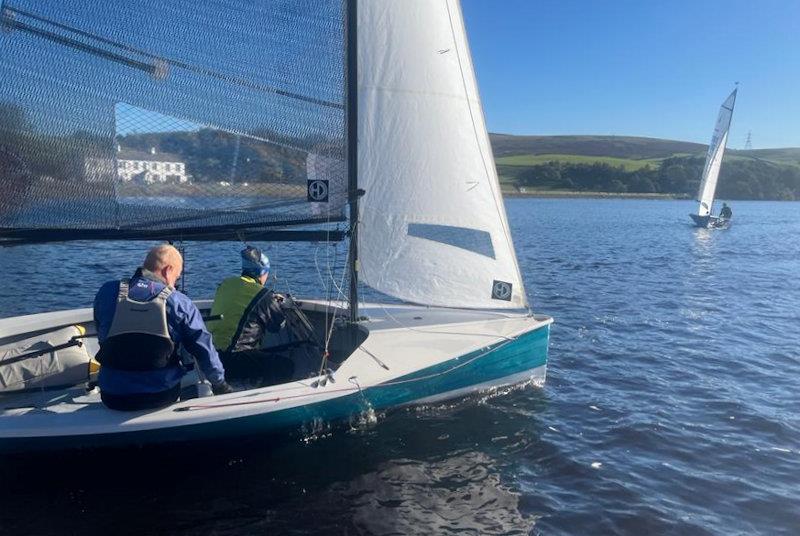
(57,351)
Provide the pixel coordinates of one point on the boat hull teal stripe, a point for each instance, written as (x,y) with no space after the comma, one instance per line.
(524,353)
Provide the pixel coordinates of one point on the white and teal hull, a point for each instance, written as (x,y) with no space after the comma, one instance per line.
(413,355)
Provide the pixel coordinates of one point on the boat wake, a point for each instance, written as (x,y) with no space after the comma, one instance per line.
(479,397)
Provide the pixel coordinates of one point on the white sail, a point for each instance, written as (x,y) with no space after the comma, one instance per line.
(716,150)
(433,226)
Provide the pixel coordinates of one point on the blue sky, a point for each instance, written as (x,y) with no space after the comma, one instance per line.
(639,67)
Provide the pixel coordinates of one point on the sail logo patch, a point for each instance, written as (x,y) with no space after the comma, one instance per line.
(501,290)
(318,191)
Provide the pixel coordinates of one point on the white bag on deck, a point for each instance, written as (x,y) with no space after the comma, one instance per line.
(59,368)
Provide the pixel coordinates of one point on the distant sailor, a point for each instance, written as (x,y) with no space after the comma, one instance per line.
(726,213)
(249,311)
(141,324)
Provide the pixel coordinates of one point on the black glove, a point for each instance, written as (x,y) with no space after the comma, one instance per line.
(222,388)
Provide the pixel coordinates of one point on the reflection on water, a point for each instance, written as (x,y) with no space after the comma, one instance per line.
(703,240)
(700,275)
(414,472)
(460,494)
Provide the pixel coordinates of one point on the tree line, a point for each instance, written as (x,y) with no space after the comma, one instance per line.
(740,178)
(210,155)
(217,155)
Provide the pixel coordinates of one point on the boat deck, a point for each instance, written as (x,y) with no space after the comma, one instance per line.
(403,341)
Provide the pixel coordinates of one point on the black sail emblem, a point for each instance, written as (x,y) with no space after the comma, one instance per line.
(318,191)
(501,290)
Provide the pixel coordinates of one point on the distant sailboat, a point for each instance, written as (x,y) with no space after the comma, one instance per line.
(716,150)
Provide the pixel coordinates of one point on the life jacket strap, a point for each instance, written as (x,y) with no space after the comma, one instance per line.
(124,286)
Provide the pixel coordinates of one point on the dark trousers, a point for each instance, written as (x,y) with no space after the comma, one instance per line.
(257,365)
(139,401)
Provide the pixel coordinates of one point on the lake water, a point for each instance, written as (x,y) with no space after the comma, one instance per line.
(671,406)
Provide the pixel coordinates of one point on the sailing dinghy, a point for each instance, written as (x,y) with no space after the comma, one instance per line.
(708,182)
(277,120)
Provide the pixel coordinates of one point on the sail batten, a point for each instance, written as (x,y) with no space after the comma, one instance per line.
(716,151)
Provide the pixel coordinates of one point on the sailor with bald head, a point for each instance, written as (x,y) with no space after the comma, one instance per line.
(142,323)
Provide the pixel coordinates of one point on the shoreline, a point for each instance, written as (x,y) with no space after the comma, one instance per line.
(591,195)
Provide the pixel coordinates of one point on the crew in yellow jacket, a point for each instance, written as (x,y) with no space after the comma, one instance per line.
(248,311)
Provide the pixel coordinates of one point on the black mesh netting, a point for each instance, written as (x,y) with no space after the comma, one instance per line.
(148,115)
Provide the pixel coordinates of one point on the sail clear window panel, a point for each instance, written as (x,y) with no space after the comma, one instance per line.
(473,240)
(236,97)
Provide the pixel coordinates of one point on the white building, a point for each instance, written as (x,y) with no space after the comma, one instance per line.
(150,168)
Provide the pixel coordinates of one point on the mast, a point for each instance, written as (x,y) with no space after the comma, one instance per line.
(352,148)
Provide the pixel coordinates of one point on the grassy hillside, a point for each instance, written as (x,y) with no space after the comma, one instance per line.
(631,152)
(528,160)
(788,155)
(640,166)
(626,147)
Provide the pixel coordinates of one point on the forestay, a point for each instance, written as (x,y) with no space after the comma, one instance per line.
(145,116)
(716,150)
(433,227)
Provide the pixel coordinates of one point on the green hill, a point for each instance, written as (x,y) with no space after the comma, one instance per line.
(629,151)
(627,147)
(788,155)
(627,164)
(527,160)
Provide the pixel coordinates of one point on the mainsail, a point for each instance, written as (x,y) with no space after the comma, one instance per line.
(433,227)
(716,150)
(179,119)
(144,118)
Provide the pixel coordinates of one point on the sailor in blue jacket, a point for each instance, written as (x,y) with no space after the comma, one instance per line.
(141,324)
